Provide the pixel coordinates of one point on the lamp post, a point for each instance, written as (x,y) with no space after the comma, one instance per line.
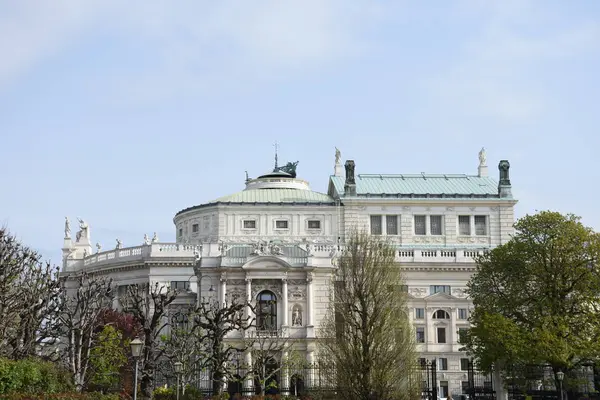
(136,351)
(560,376)
(178,368)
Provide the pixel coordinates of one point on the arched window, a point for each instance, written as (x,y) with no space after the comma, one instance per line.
(441,314)
(266,316)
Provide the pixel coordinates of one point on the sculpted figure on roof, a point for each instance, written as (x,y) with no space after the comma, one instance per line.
(482,157)
(338,155)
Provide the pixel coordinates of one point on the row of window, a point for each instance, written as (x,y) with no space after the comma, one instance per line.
(441,336)
(441,314)
(282,224)
(431,225)
(442,363)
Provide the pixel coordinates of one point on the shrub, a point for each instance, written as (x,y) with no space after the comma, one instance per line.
(32,376)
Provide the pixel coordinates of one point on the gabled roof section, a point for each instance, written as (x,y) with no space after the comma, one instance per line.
(440,296)
(418,186)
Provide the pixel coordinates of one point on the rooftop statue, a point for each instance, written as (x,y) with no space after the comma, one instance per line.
(290,168)
(338,155)
(67,228)
(84,231)
(482,157)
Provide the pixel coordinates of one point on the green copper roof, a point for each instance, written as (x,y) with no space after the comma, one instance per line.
(269,197)
(275,196)
(420,185)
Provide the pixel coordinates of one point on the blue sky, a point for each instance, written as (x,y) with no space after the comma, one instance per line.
(124,113)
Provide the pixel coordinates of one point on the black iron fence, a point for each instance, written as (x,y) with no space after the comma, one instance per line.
(541,382)
(290,380)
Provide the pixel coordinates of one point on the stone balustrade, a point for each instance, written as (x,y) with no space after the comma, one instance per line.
(296,254)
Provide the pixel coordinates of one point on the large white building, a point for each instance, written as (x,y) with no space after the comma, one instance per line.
(276,240)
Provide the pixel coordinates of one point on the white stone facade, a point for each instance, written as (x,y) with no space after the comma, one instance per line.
(278,235)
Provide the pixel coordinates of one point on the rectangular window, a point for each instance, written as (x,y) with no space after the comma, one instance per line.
(376,225)
(391,224)
(420,222)
(314,224)
(180,231)
(464,225)
(464,364)
(249,224)
(441,335)
(443,364)
(281,224)
(462,335)
(195,228)
(180,285)
(443,389)
(462,313)
(420,335)
(419,313)
(433,289)
(435,224)
(480,225)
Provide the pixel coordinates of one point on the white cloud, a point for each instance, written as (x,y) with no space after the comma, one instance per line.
(496,75)
(191,43)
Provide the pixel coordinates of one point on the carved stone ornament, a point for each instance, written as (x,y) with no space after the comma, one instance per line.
(297,315)
(274,285)
(296,293)
(223,277)
(459,292)
(309,276)
(449,208)
(236,293)
(494,208)
(296,282)
(418,292)
(236,282)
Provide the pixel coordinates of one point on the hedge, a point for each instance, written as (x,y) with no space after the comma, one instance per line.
(32,376)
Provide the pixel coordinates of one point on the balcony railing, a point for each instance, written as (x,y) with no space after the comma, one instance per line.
(295,254)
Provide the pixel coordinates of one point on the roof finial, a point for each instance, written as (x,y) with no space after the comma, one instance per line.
(276,166)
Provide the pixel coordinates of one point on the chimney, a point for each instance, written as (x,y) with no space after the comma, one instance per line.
(350,184)
(504,187)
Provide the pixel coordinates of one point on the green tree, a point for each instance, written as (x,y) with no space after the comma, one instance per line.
(107,357)
(537,296)
(366,332)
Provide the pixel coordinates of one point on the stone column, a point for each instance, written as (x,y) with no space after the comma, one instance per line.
(453,334)
(310,309)
(249,297)
(284,290)
(223,290)
(310,359)
(248,366)
(429,328)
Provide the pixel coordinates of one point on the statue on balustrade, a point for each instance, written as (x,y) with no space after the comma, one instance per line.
(155,238)
(98,247)
(297,316)
(119,244)
(146,239)
(84,231)
(338,155)
(67,228)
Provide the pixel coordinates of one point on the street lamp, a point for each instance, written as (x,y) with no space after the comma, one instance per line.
(178,369)
(136,351)
(560,376)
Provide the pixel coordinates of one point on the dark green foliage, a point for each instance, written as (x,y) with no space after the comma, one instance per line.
(537,296)
(32,376)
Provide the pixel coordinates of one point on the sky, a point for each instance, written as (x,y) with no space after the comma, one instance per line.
(124,113)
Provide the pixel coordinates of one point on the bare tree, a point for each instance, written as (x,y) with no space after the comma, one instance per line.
(83,299)
(29,299)
(182,344)
(366,332)
(215,322)
(272,353)
(149,305)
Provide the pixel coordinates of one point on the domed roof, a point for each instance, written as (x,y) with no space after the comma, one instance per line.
(277,187)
